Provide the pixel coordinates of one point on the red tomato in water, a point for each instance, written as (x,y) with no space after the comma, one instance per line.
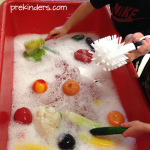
(23,116)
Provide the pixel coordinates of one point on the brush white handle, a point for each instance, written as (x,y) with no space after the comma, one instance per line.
(132,46)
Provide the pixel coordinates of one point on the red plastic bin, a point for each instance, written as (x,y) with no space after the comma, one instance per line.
(16,22)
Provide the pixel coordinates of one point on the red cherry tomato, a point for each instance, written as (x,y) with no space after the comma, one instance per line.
(115,118)
(71,87)
(23,116)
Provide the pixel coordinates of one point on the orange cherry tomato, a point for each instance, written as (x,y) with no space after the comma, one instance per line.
(115,118)
(71,87)
(40,86)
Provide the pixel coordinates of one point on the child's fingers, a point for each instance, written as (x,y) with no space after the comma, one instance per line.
(125,125)
(128,132)
(53,32)
(136,36)
(57,36)
(131,56)
(125,134)
(144,49)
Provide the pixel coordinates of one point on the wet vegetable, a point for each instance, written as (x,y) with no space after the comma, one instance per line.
(83,55)
(78,37)
(30,146)
(47,120)
(107,130)
(115,118)
(80,120)
(89,41)
(23,116)
(101,142)
(71,87)
(40,86)
(36,56)
(34,45)
(66,142)
(95,141)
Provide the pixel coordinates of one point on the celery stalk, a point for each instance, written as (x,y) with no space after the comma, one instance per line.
(80,120)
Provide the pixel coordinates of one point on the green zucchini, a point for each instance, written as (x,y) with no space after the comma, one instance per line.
(107,130)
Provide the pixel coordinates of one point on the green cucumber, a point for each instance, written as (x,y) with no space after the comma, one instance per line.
(108,130)
(78,37)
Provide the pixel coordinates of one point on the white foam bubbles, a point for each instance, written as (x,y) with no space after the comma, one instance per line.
(55,69)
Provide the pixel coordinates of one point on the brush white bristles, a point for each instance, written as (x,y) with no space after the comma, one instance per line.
(108,54)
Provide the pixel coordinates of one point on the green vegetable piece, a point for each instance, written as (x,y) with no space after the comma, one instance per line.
(78,37)
(108,130)
(37,56)
(33,46)
(60,115)
(80,120)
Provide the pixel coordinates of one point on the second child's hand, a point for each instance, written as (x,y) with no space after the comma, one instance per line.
(82,12)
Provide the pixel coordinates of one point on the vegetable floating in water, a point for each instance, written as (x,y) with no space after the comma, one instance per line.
(98,142)
(47,120)
(78,37)
(36,56)
(89,41)
(80,120)
(23,116)
(66,142)
(115,118)
(83,55)
(108,130)
(20,146)
(40,86)
(71,87)
(34,45)
(101,142)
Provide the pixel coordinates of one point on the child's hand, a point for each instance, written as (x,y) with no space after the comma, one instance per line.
(144,49)
(135,129)
(60,31)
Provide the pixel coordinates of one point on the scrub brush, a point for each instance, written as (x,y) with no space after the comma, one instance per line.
(32,46)
(110,52)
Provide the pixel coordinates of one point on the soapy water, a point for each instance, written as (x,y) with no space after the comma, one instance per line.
(56,69)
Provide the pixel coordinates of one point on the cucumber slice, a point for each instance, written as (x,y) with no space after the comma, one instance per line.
(108,130)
